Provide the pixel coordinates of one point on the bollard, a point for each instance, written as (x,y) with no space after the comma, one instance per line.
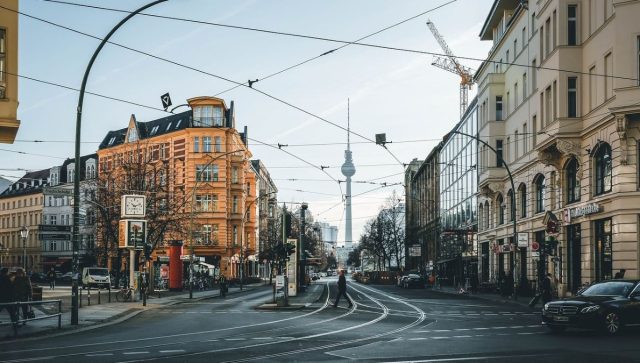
(109,291)
(80,297)
(274,293)
(89,296)
(59,314)
(99,296)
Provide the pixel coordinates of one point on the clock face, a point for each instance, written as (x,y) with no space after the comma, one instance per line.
(134,206)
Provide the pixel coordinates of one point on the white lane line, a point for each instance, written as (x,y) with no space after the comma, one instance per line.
(437,338)
(462,329)
(462,336)
(516,327)
(527,333)
(418,339)
(442,330)
(212,340)
(98,355)
(480,328)
(172,351)
(233,339)
(132,353)
(262,338)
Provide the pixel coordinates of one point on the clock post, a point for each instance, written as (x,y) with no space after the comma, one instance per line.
(133,208)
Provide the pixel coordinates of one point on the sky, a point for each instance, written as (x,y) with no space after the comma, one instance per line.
(392,92)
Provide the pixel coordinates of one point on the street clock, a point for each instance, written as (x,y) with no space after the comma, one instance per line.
(133,206)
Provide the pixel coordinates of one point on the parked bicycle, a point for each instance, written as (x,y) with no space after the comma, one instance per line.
(125,294)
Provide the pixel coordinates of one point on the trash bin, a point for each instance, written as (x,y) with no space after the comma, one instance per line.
(36,293)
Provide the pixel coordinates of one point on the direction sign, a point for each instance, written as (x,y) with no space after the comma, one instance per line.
(166,100)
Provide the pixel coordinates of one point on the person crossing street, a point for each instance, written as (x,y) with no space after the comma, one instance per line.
(342,290)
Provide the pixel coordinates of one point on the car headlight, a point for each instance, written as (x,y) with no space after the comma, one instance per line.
(590,309)
(546,306)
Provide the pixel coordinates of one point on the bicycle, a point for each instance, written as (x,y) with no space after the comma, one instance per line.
(125,294)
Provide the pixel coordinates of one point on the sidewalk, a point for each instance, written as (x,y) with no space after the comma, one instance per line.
(311,295)
(97,315)
(522,301)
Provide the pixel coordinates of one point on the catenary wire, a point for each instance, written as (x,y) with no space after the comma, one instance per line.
(415,51)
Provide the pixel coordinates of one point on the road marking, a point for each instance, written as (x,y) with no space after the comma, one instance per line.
(415,339)
(527,333)
(480,328)
(462,329)
(462,336)
(98,355)
(439,338)
(172,351)
(231,339)
(262,338)
(132,353)
(212,340)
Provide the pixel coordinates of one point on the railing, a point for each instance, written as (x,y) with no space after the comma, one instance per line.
(209,122)
(14,312)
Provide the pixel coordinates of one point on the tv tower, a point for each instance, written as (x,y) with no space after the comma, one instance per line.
(348,170)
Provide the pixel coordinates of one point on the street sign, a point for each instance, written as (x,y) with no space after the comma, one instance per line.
(166,100)
(535,246)
(57,192)
(279,281)
(523,239)
(415,251)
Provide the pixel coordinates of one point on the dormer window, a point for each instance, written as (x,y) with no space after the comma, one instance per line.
(168,127)
(178,123)
(133,135)
(207,116)
(154,130)
(112,140)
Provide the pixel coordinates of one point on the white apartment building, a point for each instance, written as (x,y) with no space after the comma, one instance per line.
(558,99)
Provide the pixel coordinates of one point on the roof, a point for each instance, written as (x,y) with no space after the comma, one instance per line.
(495,14)
(30,183)
(83,161)
(153,128)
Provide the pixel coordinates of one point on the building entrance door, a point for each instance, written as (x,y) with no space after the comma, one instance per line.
(574,256)
(485,262)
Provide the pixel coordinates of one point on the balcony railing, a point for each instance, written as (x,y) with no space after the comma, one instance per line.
(209,122)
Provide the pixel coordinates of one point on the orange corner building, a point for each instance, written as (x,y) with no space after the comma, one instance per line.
(194,168)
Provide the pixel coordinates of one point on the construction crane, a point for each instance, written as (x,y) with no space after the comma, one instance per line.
(451,64)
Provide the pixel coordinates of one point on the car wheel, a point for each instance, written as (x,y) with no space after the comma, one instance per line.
(612,323)
(556,329)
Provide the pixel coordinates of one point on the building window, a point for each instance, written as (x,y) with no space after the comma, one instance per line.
(203,116)
(512,205)
(524,87)
(534,72)
(235,235)
(608,79)
(573,183)
(592,88)
(206,144)
(204,203)
(203,174)
(218,144)
(234,205)
(603,174)
(523,201)
(214,233)
(196,144)
(498,108)
(548,106)
(499,153)
(206,234)
(572,97)
(234,175)
(547,37)
(572,25)
(540,193)
(603,249)
(500,208)
(216,172)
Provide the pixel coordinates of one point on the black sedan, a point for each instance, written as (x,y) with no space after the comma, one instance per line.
(412,280)
(606,306)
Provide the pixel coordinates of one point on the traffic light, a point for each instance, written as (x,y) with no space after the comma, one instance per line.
(550,246)
(147,251)
(289,249)
(287,224)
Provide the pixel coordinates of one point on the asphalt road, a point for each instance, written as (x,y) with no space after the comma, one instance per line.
(387,324)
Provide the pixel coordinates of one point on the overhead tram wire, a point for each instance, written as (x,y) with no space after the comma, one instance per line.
(332,40)
(182,65)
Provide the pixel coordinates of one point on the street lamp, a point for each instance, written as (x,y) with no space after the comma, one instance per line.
(193,211)
(24,233)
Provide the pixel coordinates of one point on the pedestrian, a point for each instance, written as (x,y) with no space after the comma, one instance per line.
(342,290)
(6,293)
(22,291)
(620,274)
(547,294)
(51,276)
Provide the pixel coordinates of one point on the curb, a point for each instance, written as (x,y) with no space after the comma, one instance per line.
(272,306)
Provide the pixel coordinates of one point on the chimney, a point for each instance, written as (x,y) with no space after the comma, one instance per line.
(230,120)
(246,137)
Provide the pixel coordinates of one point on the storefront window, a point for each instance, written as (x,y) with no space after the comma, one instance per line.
(603,249)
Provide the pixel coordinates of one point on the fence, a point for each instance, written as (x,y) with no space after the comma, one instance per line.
(14,311)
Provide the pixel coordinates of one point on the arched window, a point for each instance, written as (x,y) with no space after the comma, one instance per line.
(512,205)
(481,219)
(572,181)
(500,207)
(486,215)
(540,193)
(522,191)
(602,164)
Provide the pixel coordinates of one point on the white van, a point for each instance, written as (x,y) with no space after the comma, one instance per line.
(96,277)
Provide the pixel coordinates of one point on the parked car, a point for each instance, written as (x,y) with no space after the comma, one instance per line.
(608,306)
(96,277)
(66,277)
(39,277)
(412,280)
(323,274)
(400,281)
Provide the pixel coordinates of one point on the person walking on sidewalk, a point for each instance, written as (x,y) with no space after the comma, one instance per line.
(342,290)
(22,291)
(51,276)
(6,293)
(547,289)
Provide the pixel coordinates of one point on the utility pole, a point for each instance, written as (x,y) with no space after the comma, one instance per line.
(301,247)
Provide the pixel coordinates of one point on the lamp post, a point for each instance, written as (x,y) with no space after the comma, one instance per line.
(301,253)
(76,175)
(193,211)
(24,233)
(244,217)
